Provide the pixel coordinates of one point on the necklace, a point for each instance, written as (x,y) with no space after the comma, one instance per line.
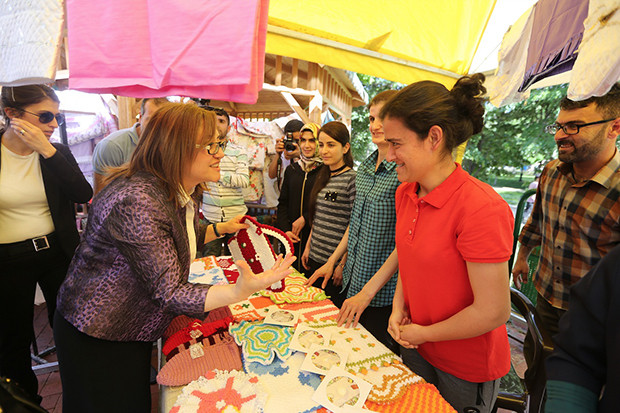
(335,171)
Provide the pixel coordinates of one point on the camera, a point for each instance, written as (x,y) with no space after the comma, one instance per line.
(289,143)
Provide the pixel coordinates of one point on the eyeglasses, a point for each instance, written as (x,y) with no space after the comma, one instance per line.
(571,128)
(47,117)
(213,147)
(331,196)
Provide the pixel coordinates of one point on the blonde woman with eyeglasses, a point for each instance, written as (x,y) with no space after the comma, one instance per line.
(129,277)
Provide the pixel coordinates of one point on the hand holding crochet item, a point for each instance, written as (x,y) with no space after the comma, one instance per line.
(249,283)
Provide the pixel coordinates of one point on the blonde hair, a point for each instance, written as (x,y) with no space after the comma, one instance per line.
(168,143)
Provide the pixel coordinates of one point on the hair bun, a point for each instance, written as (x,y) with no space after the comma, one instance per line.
(467,93)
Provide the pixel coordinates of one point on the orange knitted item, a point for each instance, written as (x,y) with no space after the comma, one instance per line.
(419,398)
(314,311)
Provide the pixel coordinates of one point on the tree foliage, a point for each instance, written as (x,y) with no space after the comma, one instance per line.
(513,135)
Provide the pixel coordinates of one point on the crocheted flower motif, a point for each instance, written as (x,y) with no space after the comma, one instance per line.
(262,342)
(295,291)
(221,392)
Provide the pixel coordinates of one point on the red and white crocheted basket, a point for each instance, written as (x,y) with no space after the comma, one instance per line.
(253,246)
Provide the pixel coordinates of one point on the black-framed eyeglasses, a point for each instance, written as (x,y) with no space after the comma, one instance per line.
(213,147)
(331,196)
(571,128)
(47,116)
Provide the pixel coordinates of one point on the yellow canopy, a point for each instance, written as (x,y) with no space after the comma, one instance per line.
(399,40)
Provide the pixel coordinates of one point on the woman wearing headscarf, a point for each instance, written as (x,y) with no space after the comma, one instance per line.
(296,187)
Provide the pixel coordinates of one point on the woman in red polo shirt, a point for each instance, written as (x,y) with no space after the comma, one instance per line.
(453,242)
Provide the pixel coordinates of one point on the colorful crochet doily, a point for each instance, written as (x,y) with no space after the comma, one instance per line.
(262,342)
(295,291)
(221,392)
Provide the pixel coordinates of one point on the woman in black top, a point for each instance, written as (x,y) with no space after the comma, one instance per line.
(39,184)
(296,187)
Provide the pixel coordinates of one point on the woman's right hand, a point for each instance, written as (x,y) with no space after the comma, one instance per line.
(248,283)
(352,309)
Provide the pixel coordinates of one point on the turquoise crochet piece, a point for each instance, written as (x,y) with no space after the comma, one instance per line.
(261,342)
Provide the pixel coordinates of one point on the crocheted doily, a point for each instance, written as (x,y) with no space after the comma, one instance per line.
(262,342)
(295,291)
(221,392)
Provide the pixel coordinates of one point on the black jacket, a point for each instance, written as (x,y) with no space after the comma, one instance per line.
(587,346)
(294,200)
(64,185)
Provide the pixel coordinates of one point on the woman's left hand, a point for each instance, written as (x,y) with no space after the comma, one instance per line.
(412,335)
(248,283)
(32,136)
(232,226)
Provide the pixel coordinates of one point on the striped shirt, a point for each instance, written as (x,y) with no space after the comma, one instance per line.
(576,224)
(223,199)
(372,228)
(333,209)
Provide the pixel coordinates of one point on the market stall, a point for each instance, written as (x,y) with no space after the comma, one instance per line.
(271,337)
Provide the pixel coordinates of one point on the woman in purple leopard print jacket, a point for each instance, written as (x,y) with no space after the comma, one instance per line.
(129,276)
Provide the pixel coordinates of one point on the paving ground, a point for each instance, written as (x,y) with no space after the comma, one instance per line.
(51,390)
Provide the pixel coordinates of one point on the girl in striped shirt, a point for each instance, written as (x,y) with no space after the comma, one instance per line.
(331,202)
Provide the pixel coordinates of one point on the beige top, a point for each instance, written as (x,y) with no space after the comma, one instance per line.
(24,211)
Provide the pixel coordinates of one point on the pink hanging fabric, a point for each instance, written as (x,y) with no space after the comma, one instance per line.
(199,48)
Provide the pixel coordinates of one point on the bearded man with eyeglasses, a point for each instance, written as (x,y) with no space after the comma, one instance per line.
(576,214)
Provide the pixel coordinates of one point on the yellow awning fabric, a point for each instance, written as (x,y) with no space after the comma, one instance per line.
(399,40)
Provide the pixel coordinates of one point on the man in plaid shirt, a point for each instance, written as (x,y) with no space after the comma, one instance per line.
(576,214)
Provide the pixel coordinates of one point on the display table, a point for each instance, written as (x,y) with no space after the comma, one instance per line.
(288,388)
